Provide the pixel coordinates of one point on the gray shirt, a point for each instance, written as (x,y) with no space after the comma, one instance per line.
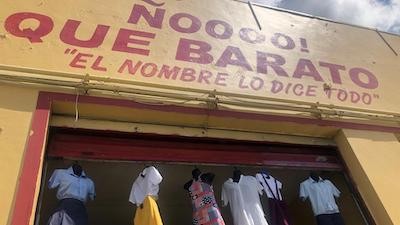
(321,194)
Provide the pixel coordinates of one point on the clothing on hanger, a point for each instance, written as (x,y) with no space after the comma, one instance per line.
(147,183)
(72,191)
(278,211)
(321,194)
(244,200)
(205,207)
(144,193)
(275,186)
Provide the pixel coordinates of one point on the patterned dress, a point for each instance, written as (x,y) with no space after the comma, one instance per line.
(205,208)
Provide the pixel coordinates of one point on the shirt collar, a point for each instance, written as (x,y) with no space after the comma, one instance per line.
(313,181)
(71,171)
(241,177)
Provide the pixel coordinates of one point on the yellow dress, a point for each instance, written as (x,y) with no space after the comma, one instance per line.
(149,214)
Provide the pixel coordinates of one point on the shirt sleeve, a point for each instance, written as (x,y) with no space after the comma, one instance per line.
(303,191)
(224,196)
(132,197)
(92,192)
(154,175)
(259,187)
(334,190)
(279,184)
(55,179)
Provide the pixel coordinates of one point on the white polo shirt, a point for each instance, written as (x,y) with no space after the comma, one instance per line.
(147,183)
(321,194)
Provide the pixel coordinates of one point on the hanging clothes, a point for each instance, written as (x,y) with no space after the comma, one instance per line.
(69,212)
(322,195)
(70,185)
(144,193)
(271,186)
(72,191)
(278,211)
(148,213)
(205,208)
(244,200)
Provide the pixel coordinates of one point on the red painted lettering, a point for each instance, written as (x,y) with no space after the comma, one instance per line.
(371,81)
(288,86)
(298,89)
(169,73)
(311,90)
(239,60)
(193,51)
(256,83)
(96,65)
(148,72)
(80,58)
(211,29)
(288,41)
(354,97)
(366,98)
(221,79)
(263,61)
(68,35)
(276,87)
(45,26)
(242,83)
(334,71)
(204,76)
(129,64)
(251,36)
(342,95)
(139,11)
(306,68)
(188,75)
(125,38)
(194,26)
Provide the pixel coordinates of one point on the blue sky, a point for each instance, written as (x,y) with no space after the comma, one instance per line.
(381,14)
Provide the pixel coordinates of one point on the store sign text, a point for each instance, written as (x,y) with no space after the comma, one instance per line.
(269,73)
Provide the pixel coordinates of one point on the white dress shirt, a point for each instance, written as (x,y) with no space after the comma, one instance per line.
(72,186)
(275,187)
(321,194)
(244,200)
(147,183)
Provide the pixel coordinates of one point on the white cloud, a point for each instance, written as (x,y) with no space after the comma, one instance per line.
(369,13)
(268,2)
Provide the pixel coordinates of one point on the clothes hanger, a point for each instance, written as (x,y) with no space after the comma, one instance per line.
(77,169)
(236,174)
(264,171)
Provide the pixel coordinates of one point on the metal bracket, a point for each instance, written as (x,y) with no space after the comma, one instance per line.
(212,100)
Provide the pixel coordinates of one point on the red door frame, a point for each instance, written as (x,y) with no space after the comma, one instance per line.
(26,189)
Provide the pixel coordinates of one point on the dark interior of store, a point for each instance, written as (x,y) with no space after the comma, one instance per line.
(113,180)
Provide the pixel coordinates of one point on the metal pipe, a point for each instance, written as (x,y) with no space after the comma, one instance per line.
(17,71)
(317,111)
(254,14)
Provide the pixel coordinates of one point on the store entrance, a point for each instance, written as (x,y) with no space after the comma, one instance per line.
(113,161)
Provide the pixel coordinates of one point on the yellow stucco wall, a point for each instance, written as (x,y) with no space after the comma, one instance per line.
(345,46)
(374,162)
(16,108)
(372,157)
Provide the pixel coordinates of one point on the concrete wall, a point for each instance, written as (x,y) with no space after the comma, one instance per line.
(374,162)
(16,108)
(372,157)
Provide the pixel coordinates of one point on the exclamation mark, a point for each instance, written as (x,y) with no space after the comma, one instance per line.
(303,43)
